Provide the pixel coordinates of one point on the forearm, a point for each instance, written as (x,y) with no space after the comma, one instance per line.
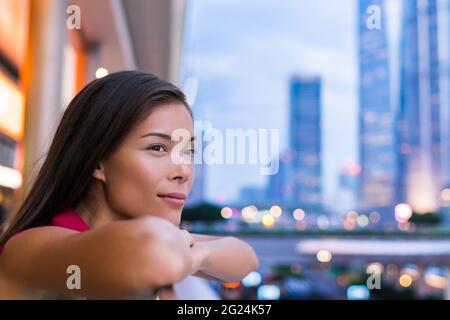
(229,259)
(119,259)
(204,237)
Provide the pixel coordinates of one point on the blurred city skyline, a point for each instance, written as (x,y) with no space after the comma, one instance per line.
(358,89)
(239,58)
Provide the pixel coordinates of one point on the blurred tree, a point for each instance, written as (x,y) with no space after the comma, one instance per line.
(430,218)
(207,212)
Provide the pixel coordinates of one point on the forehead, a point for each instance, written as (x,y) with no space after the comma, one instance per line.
(166,118)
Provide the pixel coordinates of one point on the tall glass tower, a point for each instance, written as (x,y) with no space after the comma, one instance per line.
(419,131)
(305,141)
(376,123)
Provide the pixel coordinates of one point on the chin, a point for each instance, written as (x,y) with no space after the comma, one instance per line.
(176,222)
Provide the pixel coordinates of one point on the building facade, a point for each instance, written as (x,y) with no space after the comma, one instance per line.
(305,140)
(376,125)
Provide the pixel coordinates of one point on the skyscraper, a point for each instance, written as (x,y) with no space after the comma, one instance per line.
(419,145)
(347,190)
(305,141)
(280,185)
(445,90)
(376,125)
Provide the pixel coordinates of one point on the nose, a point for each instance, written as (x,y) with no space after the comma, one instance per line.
(181,172)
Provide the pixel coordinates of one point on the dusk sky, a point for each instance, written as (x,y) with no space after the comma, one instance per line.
(243,53)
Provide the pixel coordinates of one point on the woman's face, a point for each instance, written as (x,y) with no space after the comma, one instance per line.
(141,171)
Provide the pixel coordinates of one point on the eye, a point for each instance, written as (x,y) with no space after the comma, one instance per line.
(157,148)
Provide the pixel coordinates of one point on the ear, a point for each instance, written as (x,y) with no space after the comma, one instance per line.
(99,172)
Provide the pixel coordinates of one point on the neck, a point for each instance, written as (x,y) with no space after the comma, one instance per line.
(95,210)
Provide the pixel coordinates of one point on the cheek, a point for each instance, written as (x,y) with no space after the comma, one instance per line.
(131,184)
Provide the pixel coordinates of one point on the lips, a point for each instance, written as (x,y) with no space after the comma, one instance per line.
(173,198)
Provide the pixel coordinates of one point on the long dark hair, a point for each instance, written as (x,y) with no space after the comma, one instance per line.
(93,125)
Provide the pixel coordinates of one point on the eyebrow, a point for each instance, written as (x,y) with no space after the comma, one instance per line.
(162,135)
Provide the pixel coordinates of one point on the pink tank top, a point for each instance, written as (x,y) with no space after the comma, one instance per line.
(68,219)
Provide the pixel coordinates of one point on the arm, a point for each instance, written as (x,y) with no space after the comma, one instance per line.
(204,237)
(223,258)
(117,260)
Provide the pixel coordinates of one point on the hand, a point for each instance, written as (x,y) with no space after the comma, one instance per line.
(200,252)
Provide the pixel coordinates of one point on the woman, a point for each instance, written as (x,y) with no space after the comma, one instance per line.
(102,217)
